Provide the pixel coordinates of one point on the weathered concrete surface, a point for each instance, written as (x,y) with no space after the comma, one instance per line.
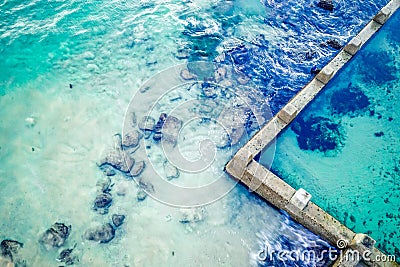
(237,166)
(382,15)
(260,140)
(279,193)
(353,46)
(300,199)
(325,74)
(288,113)
(271,187)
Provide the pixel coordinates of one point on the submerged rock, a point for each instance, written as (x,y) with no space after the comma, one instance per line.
(131,139)
(147,123)
(122,188)
(102,233)
(146,185)
(157,136)
(103,185)
(226,83)
(220,74)
(118,220)
(141,195)
(147,134)
(160,123)
(326,4)
(206,106)
(118,158)
(219,136)
(120,161)
(183,52)
(318,133)
(102,202)
(158,126)
(187,75)
(56,235)
(209,89)
(220,58)
(349,101)
(192,215)
(132,118)
(171,172)
(203,70)
(137,168)
(315,70)
(334,44)
(170,129)
(66,256)
(240,54)
(233,120)
(108,170)
(144,188)
(10,248)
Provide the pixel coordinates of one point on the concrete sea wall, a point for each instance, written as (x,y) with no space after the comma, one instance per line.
(297,203)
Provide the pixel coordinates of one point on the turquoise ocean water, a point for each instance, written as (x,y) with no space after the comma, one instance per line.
(68,73)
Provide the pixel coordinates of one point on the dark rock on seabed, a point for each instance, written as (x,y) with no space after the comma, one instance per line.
(167,129)
(141,195)
(349,101)
(234,119)
(102,202)
(56,235)
(103,185)
(209,89)
(118,220)
(131,139)
(157,136)
(146,185)
(10,248)
(66,256)
(144,188)
(108,171)
(377,67)
(102,234)
(137,168)
(171,172)
(170,129)
(158,126)
(334,44)
(326,4)
(318,133)
(147,123)
(118,158)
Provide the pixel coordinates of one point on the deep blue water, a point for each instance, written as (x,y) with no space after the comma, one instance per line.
(281,65)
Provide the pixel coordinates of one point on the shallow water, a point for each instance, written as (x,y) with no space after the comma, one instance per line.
(358,181)
(53,136)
